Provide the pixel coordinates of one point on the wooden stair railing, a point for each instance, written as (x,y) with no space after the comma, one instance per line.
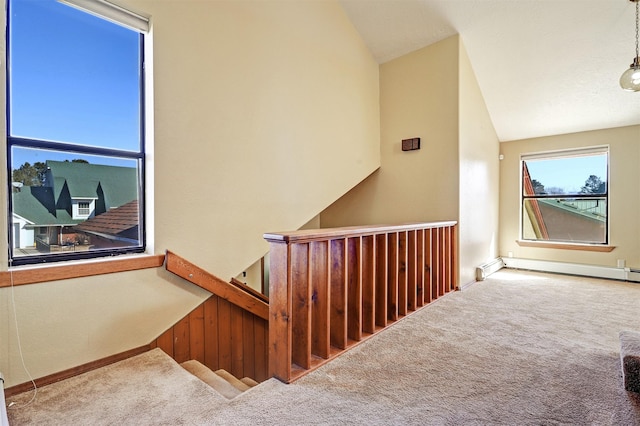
(242,286)
(227,331)
(331,289)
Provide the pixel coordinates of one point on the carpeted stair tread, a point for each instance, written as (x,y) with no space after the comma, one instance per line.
(233,380)
(249,382)
(214,380)
(630,359)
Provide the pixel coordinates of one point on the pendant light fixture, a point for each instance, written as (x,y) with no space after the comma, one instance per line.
(630,79)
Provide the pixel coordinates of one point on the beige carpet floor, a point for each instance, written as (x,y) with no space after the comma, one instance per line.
(520,348)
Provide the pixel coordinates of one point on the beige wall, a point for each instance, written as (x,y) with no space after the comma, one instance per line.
(418,98)
(433,94)
(67,323)
(479,176)
(624,195)
(265,113)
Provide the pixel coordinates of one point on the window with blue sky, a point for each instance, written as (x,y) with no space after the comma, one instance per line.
(565,196)
(75,133)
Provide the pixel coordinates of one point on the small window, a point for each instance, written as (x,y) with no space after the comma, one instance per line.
(75,130)
(565,196)
(83,209)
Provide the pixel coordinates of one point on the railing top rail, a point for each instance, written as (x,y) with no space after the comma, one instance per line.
(198,276)
(349,231)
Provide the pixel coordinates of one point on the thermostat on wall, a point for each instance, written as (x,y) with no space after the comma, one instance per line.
(410,144)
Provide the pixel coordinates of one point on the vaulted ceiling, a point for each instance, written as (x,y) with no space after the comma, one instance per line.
(544,67)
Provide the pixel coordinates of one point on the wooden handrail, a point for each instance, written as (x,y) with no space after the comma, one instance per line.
(305,235)
(331,289)
(198,276)
(255,293)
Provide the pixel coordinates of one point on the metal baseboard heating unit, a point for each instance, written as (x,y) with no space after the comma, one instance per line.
(486,269)
(597,271)
(4,420)
(633,275)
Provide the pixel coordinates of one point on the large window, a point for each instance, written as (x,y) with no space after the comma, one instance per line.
(565,196)
(75,130)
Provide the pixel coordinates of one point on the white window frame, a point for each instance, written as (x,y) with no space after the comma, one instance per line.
(557,154)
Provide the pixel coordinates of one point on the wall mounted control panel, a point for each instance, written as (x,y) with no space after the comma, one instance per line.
(410,144)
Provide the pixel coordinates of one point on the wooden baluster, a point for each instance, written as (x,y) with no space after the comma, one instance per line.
(381,280)
(435,261)
(402,273)
(437,253)
(447,257)
(368,262)
(280,301)
(301,306)
(442,268)
(454,257)
(338,291)
(319,299)
(392,277)
(412,287)
(420,269)
(354,289)
(427,268)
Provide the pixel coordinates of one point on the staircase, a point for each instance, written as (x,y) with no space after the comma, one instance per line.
(330,289)
(225,383)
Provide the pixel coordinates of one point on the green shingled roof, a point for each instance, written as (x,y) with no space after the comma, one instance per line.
(36,204)
(51,205)
(85,180)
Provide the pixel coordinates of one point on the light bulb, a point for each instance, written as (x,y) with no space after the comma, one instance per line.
(630,79)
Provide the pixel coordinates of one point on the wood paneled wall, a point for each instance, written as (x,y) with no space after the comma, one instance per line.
(220,334)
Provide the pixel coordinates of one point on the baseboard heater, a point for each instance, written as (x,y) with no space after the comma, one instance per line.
(4,420)
(609,272)
(633,275)
(486,269)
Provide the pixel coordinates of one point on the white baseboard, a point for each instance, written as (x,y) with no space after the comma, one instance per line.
(622,274)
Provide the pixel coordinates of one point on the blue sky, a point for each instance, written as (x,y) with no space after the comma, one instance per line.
(568,173)
(73,77)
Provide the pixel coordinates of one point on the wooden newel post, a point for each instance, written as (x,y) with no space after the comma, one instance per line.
(280,311)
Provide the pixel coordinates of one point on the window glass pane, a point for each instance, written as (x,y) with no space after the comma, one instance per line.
(69,202)
(585,174)
(582,220)
(565,196)
(73,77)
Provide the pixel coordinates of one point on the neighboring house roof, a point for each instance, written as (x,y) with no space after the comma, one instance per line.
(588,209)
(37,205)
(119,223)
(578,221)
(85,180)
(50,205)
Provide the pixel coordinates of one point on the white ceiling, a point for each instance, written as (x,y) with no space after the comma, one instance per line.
(545,67)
